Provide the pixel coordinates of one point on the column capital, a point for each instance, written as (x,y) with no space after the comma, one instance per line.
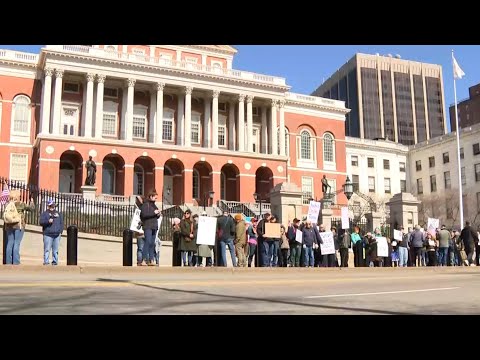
(281,104)
(216,94)
(90,77)
(249,99)
(101,78)
(274,103)
(160,86)
(59,73)
(48,71)
(188,90)
(241,97)
(131,82)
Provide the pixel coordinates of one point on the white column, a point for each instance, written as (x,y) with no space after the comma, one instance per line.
(99,111)
(206,122)
(216,93)
(152,121)
(282,128)
(46,101)
(89,106)
(129,117)
(241,122)
(264,139)
(249,123)
(188,116)
(159,128)
(180,118)
(273,128)
(57,102)
(231,126)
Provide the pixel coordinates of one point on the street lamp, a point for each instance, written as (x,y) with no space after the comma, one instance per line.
(210,196)
(348,188)
(163,196)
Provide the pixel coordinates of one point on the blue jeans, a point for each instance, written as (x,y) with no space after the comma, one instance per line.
(186,254)
(270,253)
(50,243)
(14,238)
(223,252)
(308,258)
(140,246)
(443,254)
(149,247)
(402,256)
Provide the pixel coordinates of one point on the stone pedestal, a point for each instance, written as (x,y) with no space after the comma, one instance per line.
(403,210)
(89,192)
(325,217)
(286,202)
(374,220)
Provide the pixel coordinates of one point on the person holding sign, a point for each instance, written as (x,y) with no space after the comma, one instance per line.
(431,246)
(310,236)
(295,244)
(149,215)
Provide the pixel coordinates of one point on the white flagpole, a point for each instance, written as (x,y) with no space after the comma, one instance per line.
(460,191)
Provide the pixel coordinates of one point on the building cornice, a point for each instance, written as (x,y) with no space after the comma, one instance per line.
(376,146)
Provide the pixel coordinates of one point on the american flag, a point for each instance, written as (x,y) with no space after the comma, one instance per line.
(4,196)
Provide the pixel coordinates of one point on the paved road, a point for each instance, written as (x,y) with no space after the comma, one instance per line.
(117,290)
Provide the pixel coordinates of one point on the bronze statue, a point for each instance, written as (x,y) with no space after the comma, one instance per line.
(325,185)
(91,172)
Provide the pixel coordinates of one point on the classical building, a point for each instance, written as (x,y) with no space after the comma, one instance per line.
(468,110)
(390,98)
(177,118)
(433,168)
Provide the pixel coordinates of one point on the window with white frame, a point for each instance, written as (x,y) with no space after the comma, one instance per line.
(110,119)
(140,53)
(371,184)
(354,160)
(305,145)
(140,122)
(138,180)
(71,87)
(191,62)
(21,112)
(286,140)
(195,128)
(386,185)
(167,131)
(328,148)
(18,167)
(69,120)
(165,59)
(307,189)
(196,184)
(222,131)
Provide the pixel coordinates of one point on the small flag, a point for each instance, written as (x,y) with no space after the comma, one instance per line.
(457,71)
(4,196)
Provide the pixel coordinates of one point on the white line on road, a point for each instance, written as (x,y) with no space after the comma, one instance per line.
(379,293)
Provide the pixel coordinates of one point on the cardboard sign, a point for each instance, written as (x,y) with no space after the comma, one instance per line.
(314,211)
(207,229)
(272,230)
(382,247)
(328,246)
(135,224)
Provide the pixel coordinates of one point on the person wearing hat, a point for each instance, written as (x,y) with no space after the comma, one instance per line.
(187,239)
(52,223)
(240,240)
(295,246)
(443,237)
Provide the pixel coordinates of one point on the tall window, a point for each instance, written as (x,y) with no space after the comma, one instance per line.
(222,131)
(355,182)
(386,184)
(446,178)
(19,167)
(138,180)
(196,184)
(21,115)
(140,122)
(477,172)
(328,148)
(307,189)
(370,162)
(431,161)
(167,133)
(402,166)
(386,164)
(419,186)
(108,178)
(403,185)
(195,129)
(110,117)
(478,202)
(418,165)
(462,175)
(446,158)
(305,145)
(476,149)
(462,155)
(354,160)
(286,140)
(371,184)
(433,183)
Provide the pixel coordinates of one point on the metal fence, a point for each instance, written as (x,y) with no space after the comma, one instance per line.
(361,223)
(89,216)
(166,232)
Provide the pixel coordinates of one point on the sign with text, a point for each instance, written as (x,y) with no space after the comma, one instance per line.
(345,219)
(207,230)
(382,247)
(299,236)
(159,223)
(272,230)
(397,235)
(328,246)
(136,224)
(433,225)
(314,211)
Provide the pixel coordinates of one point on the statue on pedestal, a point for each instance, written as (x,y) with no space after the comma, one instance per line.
(91,172)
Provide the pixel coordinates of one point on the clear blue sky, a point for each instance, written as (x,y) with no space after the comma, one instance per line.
(305,66)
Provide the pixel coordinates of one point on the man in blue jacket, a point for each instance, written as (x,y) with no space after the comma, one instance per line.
(52,222)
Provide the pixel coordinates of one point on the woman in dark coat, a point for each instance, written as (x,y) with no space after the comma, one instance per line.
(187,241)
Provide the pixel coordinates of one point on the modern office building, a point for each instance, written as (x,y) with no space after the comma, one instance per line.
(468,110)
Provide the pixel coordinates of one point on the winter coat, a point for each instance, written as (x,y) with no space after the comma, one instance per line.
(56,227)
(240,233)
(148,217)
(186,242)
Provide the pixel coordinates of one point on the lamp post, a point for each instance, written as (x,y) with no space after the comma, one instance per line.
(258,197)
(205,198)
(348,188)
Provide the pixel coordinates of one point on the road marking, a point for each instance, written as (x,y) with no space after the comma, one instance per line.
(379,293)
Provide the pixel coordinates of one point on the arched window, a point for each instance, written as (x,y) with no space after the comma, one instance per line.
(305,145)
(21,115)
(196,184)
(328,148)
(108,178)
(138,180)
(286,141)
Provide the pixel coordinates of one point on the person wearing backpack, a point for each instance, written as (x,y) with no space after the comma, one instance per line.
(14,222)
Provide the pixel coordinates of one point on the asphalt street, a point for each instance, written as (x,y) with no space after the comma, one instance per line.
(117,290)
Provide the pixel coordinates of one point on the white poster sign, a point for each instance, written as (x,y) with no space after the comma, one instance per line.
(135,224)
(345,219)
(433,225)
(328,246)
(207,229)
(382,247)
(397,235)
(299,236)
(159,223)
(314,211)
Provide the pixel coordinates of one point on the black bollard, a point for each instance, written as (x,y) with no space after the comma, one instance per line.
(72,245)
(127,247)
(4,245)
